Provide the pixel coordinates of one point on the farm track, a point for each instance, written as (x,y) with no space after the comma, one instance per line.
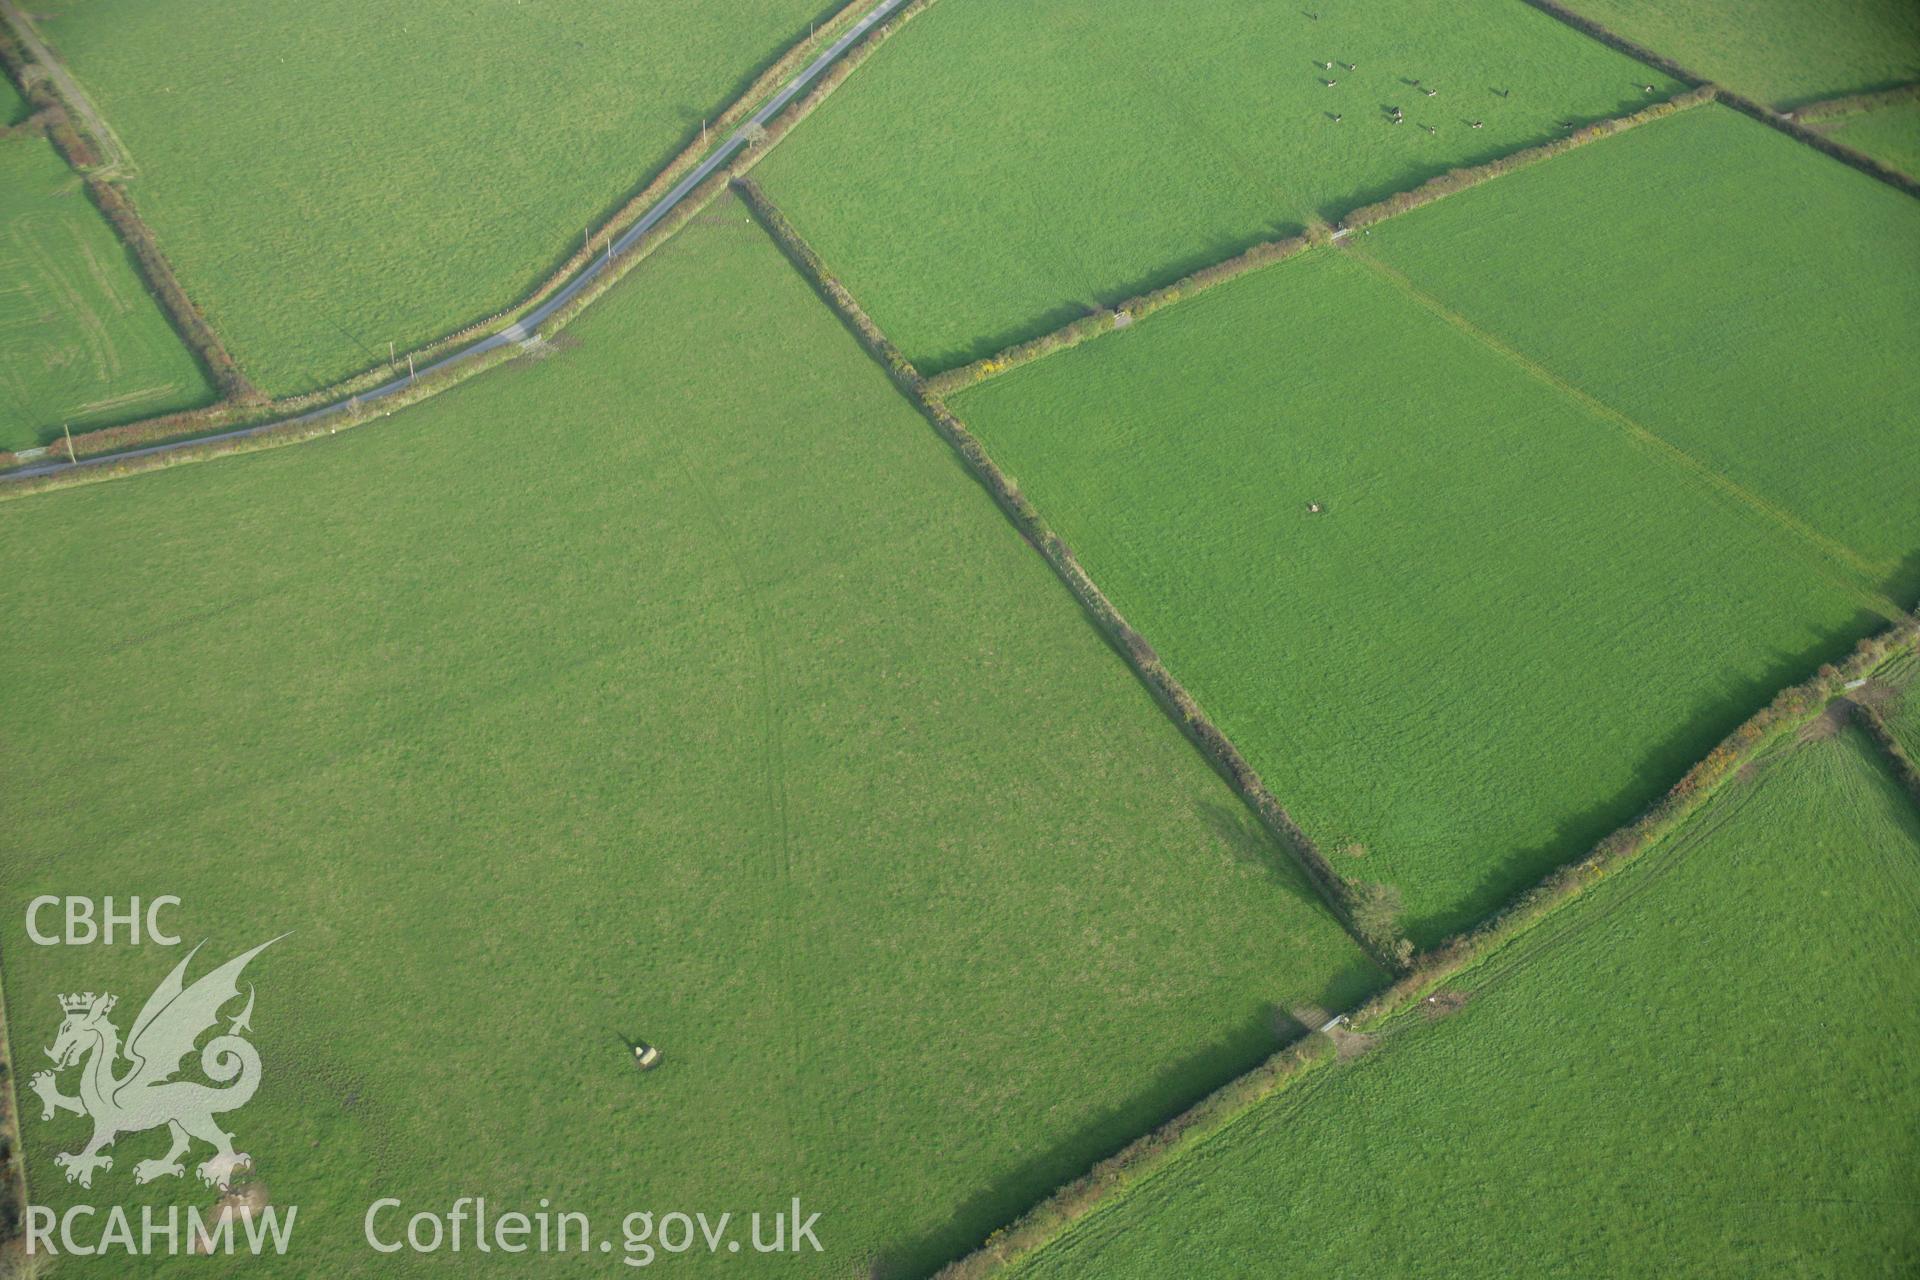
(1854,573)
(119,162)
(526,328)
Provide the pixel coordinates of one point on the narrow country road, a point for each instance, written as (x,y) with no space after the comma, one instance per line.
(521,329)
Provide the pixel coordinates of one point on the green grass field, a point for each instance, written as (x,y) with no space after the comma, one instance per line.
(1889,134)
(1514,625)
(377,175)
(1736,293)
(80,339)
(13,107)
(998,168)
(1702,1068)
(1783,52)
(1901,703)
(679,685)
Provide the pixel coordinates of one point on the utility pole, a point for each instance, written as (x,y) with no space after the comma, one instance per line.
(390,360)
(69,435)
(409,368)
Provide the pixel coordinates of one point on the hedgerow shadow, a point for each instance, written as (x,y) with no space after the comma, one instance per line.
(1658,767)
(1170,1088)
(1204,252)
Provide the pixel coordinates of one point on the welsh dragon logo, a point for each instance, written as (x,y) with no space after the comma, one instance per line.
(145,1095)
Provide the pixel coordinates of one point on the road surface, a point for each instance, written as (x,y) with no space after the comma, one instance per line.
(525,327)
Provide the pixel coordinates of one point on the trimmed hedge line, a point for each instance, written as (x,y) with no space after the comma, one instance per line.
(743,162)
(1789,709)
(1341,895)
(1614,40)
(79,152)
(1904,768)
(188,322)
(1854,104)
(102,443)
(1789,124)
(1821,142)
(37,125)
(269,435)
(1106,319)
(677,168)
(1455,180)
(13,1166)
(1142,1156)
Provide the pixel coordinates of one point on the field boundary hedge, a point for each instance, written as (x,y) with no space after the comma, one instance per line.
(1456,180)
(156,273)
(1268,252)
(1618,43)
(1853,104)
(168,441)
(1791,708)
(1107,319)
(13,1163)
(230,415)
(1876,726)
(1341,895)
(1788,123)
(1821,142)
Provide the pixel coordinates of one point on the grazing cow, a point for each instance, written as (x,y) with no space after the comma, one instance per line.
(1330,83)
(1326,66)
(1336,119)
(1429,128)
(1431,93)
(1349,66)
(1646,88)
(1475,124)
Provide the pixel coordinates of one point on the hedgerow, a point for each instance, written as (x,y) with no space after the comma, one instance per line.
(1140,1157)
(1614,40)
(1457,180)
(79,152)
(242,414)
(1869,718)
(1854,104)
(1105,320)
(1790,708)
(1340,895)
(1793,128)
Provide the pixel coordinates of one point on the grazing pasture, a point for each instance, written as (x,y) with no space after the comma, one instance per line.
(329,178)
(1889,134)
(1702,1067)
(1735,293)
(999,167)
(1902,708)
(81,341)
(1511,626)
(677,685)
(13,107)
(1783,52)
